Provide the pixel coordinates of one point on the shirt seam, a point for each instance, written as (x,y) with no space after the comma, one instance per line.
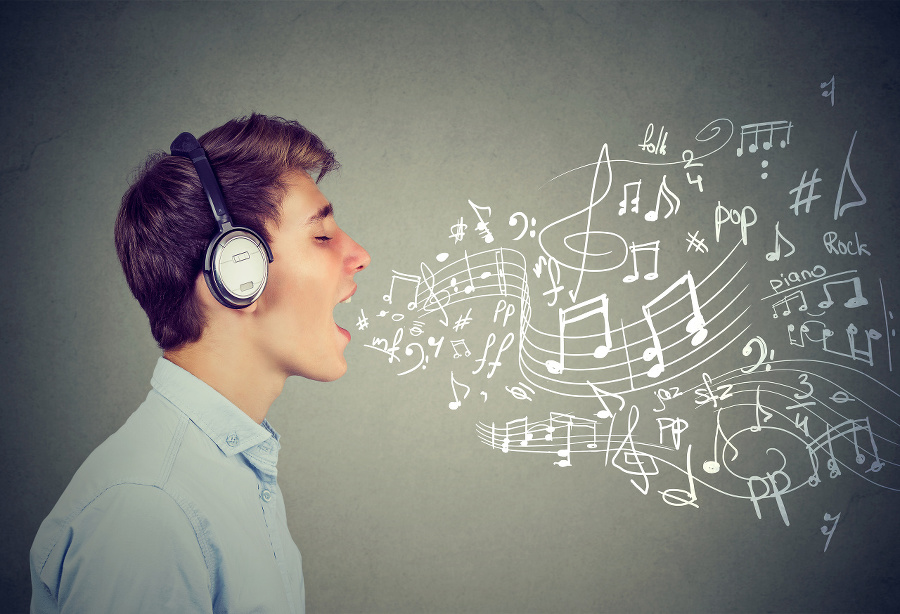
(190,515)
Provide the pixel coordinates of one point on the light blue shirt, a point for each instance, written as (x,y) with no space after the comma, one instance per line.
(178,511)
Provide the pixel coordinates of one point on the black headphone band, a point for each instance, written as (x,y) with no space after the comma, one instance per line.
(186,145)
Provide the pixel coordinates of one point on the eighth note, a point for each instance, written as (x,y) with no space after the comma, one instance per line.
(455,404)
(776,255)
(557,367)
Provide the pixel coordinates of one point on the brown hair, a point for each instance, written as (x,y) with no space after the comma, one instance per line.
(165,221)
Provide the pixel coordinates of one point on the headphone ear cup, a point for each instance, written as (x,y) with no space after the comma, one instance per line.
(236,267)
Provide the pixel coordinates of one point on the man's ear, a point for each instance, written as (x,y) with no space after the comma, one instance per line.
(209,302)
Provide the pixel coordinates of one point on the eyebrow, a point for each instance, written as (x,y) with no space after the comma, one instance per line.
(320,215)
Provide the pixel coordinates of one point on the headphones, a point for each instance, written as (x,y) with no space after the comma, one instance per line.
(237,259)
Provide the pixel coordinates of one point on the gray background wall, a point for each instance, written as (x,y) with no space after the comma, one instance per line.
(394,502)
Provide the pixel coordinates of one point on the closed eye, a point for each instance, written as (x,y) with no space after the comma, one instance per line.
(323,239)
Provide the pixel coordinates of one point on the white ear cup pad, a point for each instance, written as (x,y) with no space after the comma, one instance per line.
(240,265)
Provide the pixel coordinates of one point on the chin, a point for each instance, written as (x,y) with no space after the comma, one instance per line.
(326,375)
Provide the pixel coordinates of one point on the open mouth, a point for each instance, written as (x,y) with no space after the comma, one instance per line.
(345,301)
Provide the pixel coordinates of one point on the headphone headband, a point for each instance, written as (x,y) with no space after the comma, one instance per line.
(186,145)
(236,263)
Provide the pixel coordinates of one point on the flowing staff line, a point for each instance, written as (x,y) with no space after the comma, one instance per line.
(682,161)
(534,446)
(629,361)
(689,474)
(803,483)
(526,337)
(485,431)
(773,411)
(806,283)
(523,368)
(640,321)
(642,341)
(779,362)
(793,398)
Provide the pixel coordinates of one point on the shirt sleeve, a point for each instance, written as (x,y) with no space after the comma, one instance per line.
(133,549)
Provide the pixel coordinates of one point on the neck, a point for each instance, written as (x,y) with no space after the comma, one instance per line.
(232,372)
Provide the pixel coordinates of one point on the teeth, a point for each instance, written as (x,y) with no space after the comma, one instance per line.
(347,300)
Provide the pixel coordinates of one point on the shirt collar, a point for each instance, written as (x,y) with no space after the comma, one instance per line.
(233,431)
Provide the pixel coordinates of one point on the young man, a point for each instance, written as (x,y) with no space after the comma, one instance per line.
(180,511)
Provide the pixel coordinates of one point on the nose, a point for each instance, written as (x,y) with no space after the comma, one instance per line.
(357,258)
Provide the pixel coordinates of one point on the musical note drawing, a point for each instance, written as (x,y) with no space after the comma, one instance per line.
(771,127)
(482,226)
(571,422)
(679,497)
(834,433)
(827,94)
(760,409)
(456,403)
(603,159)
(643,247)
(857,300)
(470,287)
(797,294)
(460,343)
(525,226)
(623,204)
(848,172)
(825,530)
(501,271)
(696,325)
(776,255)
(601,395)
(855,353)
(557,366)
(799,341)
(632,457)
(713,466)
(403,277)
(671,199)
(432,298)
(527,432)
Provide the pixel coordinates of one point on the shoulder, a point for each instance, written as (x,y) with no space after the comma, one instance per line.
(128,531)
(124,475)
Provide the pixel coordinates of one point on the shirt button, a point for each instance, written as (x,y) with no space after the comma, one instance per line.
(232,440)
(267,495)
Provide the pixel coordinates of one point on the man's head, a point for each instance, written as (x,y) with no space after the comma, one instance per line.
(263,164)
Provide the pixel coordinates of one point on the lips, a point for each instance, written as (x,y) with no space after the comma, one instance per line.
(346,300)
